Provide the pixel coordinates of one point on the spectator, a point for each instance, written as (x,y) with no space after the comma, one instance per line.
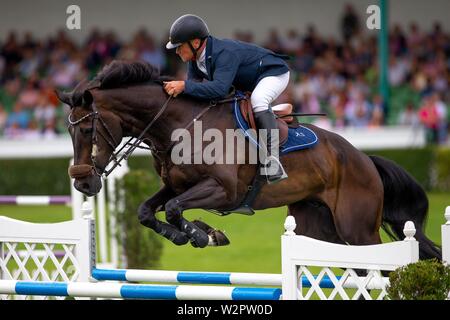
(11,54)
(415,37)
(441,112)
(273,41)
(49,131)
(291,43)
(429,117)
(357,111)
(9,94)
(338,101)
(377,112)
(398,71)
(150,53)
(32,131)
(349,23)
(29,96)
(409,116)
(3,117)
(44,112)
(19,118)
(310,103)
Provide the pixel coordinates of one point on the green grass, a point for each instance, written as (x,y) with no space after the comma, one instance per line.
(255,240)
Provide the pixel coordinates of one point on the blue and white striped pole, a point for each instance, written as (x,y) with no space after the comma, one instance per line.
(136,291)
(259,279)
(263,279)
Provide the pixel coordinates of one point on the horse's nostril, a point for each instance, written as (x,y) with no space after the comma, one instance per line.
(85,186)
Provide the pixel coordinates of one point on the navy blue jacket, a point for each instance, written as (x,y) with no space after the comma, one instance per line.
(231,62)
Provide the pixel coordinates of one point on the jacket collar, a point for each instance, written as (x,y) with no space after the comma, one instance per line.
(208,57)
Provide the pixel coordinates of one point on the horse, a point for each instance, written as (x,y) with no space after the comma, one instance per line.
(335,192)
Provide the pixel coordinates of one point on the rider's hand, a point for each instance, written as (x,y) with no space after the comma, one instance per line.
(174,88)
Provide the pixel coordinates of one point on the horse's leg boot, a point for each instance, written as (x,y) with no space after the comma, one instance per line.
(171,233)
(198,237)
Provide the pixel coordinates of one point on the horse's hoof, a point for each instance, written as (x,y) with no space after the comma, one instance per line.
(217,238)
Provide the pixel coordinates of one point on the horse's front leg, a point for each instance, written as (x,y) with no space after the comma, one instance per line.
(147,216)
(207,194)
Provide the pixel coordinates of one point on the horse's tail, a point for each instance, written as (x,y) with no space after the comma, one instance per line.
(404,199)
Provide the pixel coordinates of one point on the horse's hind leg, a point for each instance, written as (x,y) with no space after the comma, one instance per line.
(207,194)
(314,220)
(357,216)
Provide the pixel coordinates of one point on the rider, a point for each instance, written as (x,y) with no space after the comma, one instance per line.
(226,63)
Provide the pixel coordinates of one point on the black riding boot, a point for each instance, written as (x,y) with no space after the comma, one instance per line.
(266,120)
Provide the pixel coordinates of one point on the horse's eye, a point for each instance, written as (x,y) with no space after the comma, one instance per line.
(86,130)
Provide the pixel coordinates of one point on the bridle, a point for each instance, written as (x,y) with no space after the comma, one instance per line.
(111,141)
(96,117)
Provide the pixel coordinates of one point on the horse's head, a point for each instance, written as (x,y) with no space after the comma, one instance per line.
(95,133)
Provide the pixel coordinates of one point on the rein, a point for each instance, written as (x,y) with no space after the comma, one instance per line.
(136,143)
(212,104)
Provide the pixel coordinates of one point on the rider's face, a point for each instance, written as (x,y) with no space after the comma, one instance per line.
(185,52)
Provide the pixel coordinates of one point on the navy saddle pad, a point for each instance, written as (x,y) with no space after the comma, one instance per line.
(298,138)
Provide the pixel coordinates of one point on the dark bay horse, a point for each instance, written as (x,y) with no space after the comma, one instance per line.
(335,192)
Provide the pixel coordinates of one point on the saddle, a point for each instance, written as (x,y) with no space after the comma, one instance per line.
(279,110)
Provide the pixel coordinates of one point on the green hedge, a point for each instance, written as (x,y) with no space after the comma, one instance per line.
(423,280)
(142,246)
(34,177)
(418,162)
(430,166)
(441,172)
(46,176)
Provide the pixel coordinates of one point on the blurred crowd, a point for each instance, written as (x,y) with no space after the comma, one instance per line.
(338,76)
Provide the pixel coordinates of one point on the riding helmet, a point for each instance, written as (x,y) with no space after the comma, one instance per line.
(185,28)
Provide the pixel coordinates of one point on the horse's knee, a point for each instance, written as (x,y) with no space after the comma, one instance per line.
(173,212)
(146,216)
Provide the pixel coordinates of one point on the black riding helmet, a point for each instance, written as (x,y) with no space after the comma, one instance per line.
(186,28)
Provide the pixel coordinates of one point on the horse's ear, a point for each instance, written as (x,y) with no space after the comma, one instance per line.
(64,97)
(87,98)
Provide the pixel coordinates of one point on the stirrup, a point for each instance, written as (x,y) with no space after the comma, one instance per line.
(277,177)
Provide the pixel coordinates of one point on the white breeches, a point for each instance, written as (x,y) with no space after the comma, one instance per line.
(267,90)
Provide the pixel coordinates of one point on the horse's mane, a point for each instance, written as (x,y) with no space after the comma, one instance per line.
(119,73)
